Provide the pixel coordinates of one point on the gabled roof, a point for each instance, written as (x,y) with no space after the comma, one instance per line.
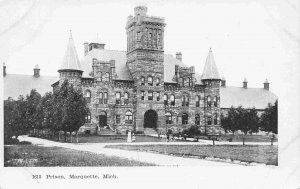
(70,60)
(248,98)
(210,70)
(16,84)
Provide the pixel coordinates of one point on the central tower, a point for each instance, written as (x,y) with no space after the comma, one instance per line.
(145,61)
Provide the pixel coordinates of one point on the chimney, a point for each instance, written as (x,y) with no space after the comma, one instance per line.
(4,69)
(86,48)
(36,71)
(223,82)
(245,82)
(266,85)
(179,56)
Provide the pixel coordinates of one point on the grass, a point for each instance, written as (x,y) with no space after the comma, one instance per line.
(248,138)
(39,156)
(109,139)
(259,154)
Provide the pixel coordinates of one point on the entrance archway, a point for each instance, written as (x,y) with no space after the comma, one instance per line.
(150,119)
(102,119)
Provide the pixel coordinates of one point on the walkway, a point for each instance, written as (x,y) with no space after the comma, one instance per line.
(158,159)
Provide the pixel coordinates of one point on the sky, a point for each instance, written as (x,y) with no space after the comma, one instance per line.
(249,39)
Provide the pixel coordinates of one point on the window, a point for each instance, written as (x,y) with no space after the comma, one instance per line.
(142,81)
(216,99)
(216,119)
(105,98)
(138,36)
(118,119)
(189,79)
(118,98)
(172,100)
(197,101)
(150,81)
(142,95)
(100,98)
(197,119)
(128,117)
(208,101)
(157,96)
(168,118)
(88,118)
(201,102)
(185,100)
(185,118)
(165,99)
(103,77)
(150,95)
(126,98)
(157,81)
(209,121)
(107,76)
(99,76)
(88,96)
(181,82)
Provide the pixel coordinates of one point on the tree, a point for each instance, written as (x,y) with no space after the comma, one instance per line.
(74,108)
(225,123)
(269,119)
(33,111)
(9,106)
(248,120)
(47,110)
(229,122)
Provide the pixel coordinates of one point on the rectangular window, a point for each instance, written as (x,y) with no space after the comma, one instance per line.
(88,118)
(142,95)
(209,121)
(157,96)
(118,119)
(118,98)
(150,95)
(126,98)
(105,98)
(150,81)
(165,99)
(172,100)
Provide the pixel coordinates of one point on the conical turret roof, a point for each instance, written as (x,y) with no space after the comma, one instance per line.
(210,70)
(70,60)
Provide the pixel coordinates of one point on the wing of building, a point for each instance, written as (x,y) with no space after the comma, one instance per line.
(143,89)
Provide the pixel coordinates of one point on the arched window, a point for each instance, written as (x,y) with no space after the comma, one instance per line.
(150,81)
(128,117)
(157,81)
(168,118)
(88,118)
(165,99)
(88,96)
(185,118)
(118,98)
(150,95)
(197,119)
(172,100)
(107,76)
(208,101)
(197,101)
(126,98)
(209,121)
(216,100)
(105,98)
(142,81)
(100,98)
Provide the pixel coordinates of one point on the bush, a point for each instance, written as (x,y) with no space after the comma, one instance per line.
(11,141)
(87,132)
(191,132)
(24,143)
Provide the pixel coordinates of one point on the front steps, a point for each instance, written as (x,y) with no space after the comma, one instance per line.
(150,132)
(104,131)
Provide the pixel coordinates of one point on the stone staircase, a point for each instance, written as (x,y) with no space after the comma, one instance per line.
(150,132)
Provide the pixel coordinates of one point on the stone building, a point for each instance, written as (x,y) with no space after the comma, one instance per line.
(143,89)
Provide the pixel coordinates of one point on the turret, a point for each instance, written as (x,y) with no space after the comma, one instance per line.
(70,68)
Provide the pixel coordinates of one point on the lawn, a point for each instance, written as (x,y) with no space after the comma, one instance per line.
(39,156)
(248,138)
(111,139)
(258,154)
